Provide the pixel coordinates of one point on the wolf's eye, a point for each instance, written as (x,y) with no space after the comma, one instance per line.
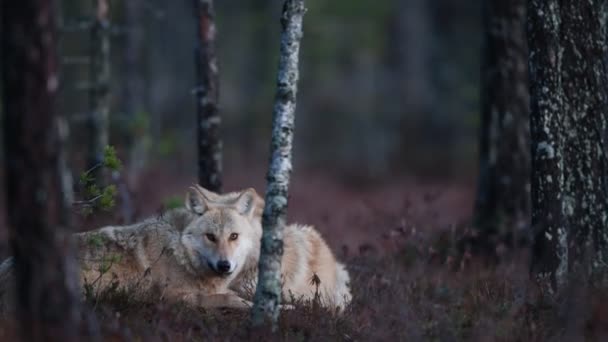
(234,236)
(210,237)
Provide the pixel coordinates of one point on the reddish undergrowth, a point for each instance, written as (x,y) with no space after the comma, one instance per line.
(412,277)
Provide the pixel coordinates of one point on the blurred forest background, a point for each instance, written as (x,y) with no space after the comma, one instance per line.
(387,89)
(386,86)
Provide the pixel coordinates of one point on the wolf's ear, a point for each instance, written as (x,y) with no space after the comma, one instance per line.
(246,204)
(208,194)
(196,201)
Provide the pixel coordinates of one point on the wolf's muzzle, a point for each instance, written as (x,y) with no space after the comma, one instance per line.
(223,267)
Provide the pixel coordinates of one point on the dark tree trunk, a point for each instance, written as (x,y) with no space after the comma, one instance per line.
(36,203)
(503,195)
(134,89)
(98,119)
(207,94)
(585,92)
(568,120)
(268,292)
(550,241)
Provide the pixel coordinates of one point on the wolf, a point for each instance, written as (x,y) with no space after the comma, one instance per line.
(309,269)
(167,252)
(205,254)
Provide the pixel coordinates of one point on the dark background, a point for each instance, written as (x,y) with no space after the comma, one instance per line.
(388,99)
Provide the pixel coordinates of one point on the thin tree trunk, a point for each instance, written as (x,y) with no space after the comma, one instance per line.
(47,301)
(207,95)
(134,90)
(503,195)
(568,121)
(268,292)
(98,120)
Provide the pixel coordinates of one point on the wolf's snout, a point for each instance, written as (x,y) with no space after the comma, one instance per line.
(223,266)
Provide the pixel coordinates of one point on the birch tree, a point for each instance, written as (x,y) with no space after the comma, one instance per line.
(503,195)
(207,94)
(37,194)
(568,122)
(268,292)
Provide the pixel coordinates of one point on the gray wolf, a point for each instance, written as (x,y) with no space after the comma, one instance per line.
(309,268)
(205,254)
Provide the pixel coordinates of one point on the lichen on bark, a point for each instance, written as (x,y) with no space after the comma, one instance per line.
(568,121)
(268,292)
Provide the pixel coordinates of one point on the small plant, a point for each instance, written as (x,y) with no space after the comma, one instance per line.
(96,197)
(96,240)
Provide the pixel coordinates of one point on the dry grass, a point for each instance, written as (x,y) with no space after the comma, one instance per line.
(408,296)
(413,279)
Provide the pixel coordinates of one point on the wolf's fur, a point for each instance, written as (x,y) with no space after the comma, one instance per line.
(306,258)
(167,252)
(174,254)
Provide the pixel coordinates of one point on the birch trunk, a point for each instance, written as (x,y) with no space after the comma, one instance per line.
(503,196)
(207,94)
(47,301)
(98,122)
(268,292)
(568,120)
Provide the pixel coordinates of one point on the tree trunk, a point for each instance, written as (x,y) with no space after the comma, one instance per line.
(268,292)
(207,94)
(546,97)
(47,301)
(585,91)
(568,120)
(98,120)
(503,195)
(134,90)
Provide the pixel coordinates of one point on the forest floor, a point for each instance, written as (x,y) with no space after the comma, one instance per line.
(411,277)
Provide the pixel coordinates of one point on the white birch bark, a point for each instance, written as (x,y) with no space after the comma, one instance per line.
(268,292)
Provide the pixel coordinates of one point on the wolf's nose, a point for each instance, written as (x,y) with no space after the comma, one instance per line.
(223,266)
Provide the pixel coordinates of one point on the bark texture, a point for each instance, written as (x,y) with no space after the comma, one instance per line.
(503,196)
(268,292)
(36,205)
(98,120)
(207,95)
(568,120)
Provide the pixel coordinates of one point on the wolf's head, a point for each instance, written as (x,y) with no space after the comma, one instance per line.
(226,233)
